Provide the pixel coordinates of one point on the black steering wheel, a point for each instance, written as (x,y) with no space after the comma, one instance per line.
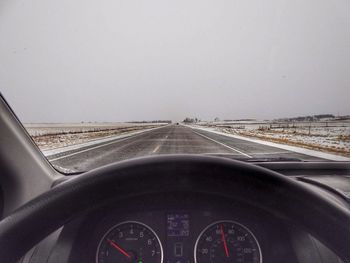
(321,217)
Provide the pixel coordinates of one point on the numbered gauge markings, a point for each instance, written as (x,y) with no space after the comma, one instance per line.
(130,242)
(227,242)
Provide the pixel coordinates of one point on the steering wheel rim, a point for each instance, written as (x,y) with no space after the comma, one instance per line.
(321,217)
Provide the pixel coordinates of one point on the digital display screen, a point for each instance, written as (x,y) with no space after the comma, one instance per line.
(178,225)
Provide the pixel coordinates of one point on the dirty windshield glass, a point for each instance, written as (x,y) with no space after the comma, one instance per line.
(96,82)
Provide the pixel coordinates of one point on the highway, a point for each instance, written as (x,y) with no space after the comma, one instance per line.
(171,139)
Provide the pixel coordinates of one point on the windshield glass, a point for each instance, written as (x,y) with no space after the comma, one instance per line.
(95,82)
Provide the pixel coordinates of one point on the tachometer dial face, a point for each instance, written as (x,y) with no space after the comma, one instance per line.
(130,242)
(227,242)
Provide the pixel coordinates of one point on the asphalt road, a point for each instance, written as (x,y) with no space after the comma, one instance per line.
(171,139)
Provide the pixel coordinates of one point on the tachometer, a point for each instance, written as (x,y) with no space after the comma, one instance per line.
(130,242)
(227,242)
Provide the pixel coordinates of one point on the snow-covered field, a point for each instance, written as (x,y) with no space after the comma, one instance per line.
(57,135)
(40,129)
(332,137)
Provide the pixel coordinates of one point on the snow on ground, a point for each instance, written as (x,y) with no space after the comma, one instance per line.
(53,136)
(107,139)
(41,129)
(326,137)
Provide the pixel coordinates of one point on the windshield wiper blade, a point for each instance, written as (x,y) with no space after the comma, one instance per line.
(258,159)
(273,159)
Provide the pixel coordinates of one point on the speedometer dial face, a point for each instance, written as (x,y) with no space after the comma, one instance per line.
(227,242)
(130,242)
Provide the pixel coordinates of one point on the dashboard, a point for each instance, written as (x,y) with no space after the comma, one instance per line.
(190,229)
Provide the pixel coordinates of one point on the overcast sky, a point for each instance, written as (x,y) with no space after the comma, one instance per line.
(82,60)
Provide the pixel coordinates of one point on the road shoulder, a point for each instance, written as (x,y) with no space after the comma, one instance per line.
(295,149)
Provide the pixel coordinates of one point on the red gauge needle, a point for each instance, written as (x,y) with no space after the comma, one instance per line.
(118,248)
(224,241)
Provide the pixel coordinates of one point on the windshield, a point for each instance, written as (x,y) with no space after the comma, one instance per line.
(95,82)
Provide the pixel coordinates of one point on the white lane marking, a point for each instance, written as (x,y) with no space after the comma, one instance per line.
(86,150)
(99,146)
(292,149)
(93,142)
(229,147)
(156,149)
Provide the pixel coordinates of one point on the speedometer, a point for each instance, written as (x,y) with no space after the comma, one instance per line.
(130,242)
(227,242)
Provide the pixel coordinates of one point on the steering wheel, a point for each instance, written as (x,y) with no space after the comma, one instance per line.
(321,217)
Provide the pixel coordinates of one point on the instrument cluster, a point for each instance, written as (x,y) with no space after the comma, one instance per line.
(221,241)
(186,230)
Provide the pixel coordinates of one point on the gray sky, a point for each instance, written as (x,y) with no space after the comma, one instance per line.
(82,60)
